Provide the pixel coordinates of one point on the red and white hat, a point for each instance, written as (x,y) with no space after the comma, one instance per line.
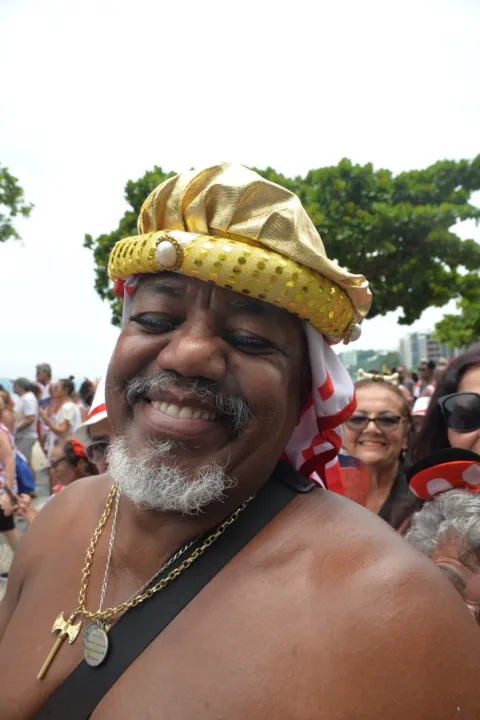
(421,406)
(444,470)
(97,412)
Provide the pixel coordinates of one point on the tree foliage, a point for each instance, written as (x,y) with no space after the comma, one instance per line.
(398,230)
(12,203)
(136,193)
(463,329)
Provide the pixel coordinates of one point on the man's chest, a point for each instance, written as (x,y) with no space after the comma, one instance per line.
(231,652)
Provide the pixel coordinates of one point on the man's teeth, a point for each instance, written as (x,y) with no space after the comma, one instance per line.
(182,412)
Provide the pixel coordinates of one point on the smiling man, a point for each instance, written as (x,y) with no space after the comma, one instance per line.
(225,397)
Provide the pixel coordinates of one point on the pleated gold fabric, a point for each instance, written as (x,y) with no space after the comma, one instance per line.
(256,218)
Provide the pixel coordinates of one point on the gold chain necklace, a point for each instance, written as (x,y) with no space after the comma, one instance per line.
(70,630)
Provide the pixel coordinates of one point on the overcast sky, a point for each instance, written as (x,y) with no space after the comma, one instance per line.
(95,93)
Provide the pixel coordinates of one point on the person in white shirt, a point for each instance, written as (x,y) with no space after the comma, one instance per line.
(26,410)
(65,418)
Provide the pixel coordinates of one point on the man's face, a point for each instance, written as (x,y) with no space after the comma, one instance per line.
(440,369)
(448,556)
(240,352)
(42,377)
(424,372)
(100,434)
(402,373)
(56,390)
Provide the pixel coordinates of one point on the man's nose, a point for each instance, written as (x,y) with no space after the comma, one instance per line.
(195,349)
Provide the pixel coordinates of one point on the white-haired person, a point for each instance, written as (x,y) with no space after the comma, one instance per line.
(447,530)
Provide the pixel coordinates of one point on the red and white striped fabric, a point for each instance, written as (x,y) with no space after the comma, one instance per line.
(316,441)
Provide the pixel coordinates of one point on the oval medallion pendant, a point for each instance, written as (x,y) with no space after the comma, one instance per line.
(95,644)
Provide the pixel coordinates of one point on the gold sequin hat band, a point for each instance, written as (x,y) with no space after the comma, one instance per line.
(229,226)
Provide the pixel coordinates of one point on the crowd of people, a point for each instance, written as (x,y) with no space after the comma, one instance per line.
(69,431)
(207,410)
(423,468)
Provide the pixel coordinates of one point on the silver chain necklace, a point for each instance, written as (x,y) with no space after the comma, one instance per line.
(95,639)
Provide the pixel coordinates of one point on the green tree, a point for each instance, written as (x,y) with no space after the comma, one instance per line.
(12,203)
(136,193)
(396,229)
(463,329)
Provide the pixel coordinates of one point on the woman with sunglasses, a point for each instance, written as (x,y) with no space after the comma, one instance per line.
(453,417)
(378,435)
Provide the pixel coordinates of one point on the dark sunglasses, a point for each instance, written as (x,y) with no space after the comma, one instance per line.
(461,411)
(96,452)
(55,463)
(386,423)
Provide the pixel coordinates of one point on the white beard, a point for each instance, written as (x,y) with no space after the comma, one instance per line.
(152,482)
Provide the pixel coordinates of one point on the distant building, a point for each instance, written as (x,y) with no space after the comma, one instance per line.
(436,350)
(415,347)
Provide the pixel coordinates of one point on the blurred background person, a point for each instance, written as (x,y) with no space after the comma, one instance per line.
(405,384)
(26,412)
(426,379)
(64,418)
(96,432)
(447,530)
(440,368)
(8,481)
(44,378)
(419,412)
(453,416)
(7,414)
(86,393)
(378,435)
(403,378)
(44,382)
(68,462)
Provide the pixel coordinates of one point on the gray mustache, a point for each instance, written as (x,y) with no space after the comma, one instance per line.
(236,409)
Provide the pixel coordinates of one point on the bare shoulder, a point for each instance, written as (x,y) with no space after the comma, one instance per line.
(411,642)
(55,521)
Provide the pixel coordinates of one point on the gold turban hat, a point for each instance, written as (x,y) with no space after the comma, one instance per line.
(229,226)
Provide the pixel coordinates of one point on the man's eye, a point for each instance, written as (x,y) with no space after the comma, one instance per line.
(156,323)
(249,343)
